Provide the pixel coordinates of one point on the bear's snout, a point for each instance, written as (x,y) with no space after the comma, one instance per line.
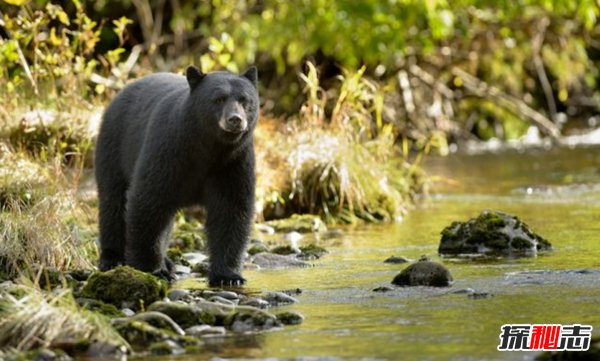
(234,119)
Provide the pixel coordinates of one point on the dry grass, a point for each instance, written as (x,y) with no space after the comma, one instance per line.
(43,219)
(35,319)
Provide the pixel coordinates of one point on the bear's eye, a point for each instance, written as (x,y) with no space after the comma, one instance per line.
(243,100)
(220,99)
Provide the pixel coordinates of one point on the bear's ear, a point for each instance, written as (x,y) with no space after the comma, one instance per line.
(252,75)
(194,76)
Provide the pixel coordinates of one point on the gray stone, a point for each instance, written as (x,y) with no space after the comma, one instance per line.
(178,295)
(279,298)
(271,260)
(205,330)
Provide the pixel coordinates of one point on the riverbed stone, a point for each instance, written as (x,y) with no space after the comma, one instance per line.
(205,330)
(424,273)
(254,302)
(271,260)
(279,298)
(251,320)
(493,233)
(179,295)
(166,347)
(125,287)
(311,252)
(185,315)
(290,318)
(285,250)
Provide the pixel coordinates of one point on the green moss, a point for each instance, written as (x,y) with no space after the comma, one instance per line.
(521,243)
(312,251)
(183,314)
(303,223)
(257,248)
(284,250)
(105,309)
(125,285)
(141,334)
(290,318)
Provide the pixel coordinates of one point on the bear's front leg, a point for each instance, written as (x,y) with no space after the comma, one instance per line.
(229,200)
(149,216)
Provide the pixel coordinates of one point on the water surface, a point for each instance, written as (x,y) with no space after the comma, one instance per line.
(555,192)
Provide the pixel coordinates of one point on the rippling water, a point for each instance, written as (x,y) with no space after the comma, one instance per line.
(555,192)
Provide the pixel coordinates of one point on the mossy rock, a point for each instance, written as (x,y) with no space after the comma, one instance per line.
(140,334)
(492,233)
(302,223)
(105,309)
(290,318)
(257,248)
(125,286)
(311,251)
(184,315)
(424,273)
(284,250)
(251,320)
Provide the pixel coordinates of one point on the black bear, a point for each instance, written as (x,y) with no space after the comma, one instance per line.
(167,142)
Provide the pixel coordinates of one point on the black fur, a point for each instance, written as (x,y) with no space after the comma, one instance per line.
(168,142)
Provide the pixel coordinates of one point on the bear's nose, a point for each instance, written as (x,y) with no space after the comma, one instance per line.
(234,121)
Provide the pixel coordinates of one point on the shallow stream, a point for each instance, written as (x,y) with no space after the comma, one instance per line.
(556,192)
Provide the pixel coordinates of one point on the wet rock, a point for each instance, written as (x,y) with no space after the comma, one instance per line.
(227,295)
(302,223)
(257,248)
(251,320)
(311,251)
(98,306)
(254,302)
(154,319)
(285,250)
(185,315)
(224,301)
(140,334)
(45,354)
(194,258)
(290,318)
(205,330)
(382,289)
(396,260)
(424,273)
(271,260)
(201,268)
(479,295)
(125,287)
(106,350)
(493,233)
(167,347)
(279,298)
(179,295)
(182,270)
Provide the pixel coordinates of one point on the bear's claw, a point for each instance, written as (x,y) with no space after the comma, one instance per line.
(226,281)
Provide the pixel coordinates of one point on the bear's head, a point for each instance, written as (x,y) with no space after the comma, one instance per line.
(226,104)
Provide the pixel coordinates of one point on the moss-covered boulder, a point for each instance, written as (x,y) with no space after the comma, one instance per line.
(98,306)
(424,273)
(185,315)
(290,318)
(311,251)
(492,233)
(251,320)
(302,223)
(125,287)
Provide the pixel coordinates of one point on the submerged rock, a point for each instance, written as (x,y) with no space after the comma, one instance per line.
(494,233)
(279,298)
(290,318)
(125,287)
(271,260)
(311,251)
(424,273)
(247,320)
